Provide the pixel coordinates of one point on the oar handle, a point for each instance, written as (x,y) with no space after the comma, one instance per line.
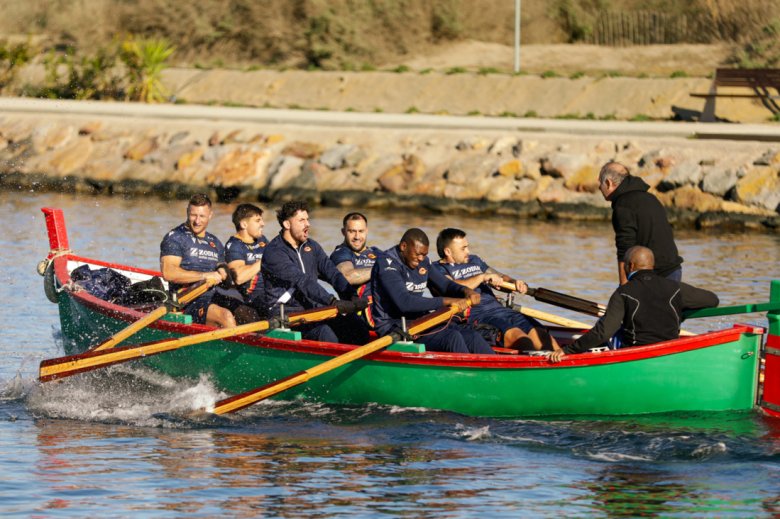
(193,293)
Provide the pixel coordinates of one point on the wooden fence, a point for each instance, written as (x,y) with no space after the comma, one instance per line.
(640,28)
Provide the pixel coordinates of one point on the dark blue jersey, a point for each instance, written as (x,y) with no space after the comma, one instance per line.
(198,254)
(250,253)
(397,290)
(290,276)
(473,267)
(364,259)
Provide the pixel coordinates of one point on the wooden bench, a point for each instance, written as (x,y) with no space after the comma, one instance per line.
(760,80)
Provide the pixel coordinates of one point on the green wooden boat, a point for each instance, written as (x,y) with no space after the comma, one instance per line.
(716,371)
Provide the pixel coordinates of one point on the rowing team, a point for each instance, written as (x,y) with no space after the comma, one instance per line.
(379,289)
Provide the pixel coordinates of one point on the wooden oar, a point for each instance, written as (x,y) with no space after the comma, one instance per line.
(151,317)
(250,397)
(566,301)
(66,366)
(558,299)
(551,318)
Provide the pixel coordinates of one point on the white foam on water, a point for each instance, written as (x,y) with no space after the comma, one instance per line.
(474,433)
(121,394)
(616,456)
(704,451)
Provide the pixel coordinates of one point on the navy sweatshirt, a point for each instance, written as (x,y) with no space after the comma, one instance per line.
(290,276)
(397,290)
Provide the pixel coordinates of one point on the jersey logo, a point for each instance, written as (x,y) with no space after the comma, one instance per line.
(389,261)
(261,244)
(423,271)
(307,249)
(213,245)
(371,255)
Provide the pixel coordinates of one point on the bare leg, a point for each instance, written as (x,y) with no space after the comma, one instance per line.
(221,317)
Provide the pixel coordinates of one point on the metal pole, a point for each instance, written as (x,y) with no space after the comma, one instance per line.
(517,36)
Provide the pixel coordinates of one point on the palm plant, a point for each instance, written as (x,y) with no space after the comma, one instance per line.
(145,60)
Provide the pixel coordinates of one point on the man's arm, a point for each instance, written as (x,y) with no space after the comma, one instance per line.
(170,266)
(694,298)
(496,278)
(243,272)
(328,272)
(603,329)
(625,225)
(441,284)
(354,276)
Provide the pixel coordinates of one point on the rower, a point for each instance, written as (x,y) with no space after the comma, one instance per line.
(353,257)
(293,263)
(398,280)
(457,263)
(189,254)
(648,308)
(243,253)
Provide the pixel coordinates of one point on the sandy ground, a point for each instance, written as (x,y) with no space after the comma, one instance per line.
(650,60)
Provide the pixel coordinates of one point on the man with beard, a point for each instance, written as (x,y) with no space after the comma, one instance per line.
(244,252)
(189,254)
(292,265)
(352,257)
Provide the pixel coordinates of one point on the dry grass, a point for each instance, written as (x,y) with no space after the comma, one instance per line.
(356,34)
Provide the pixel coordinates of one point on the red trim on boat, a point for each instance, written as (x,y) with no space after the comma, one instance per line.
(773,341)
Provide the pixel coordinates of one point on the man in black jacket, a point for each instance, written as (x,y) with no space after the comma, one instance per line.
(638,218)
(292,265)
(648,307)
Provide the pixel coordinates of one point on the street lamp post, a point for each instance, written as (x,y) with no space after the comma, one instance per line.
(517,36)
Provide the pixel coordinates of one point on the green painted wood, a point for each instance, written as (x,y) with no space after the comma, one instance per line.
(715,378)
(732,310)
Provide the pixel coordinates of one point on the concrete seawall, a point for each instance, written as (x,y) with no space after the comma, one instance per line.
(525,167)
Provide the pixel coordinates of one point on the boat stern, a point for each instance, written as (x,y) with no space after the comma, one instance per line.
(770,399)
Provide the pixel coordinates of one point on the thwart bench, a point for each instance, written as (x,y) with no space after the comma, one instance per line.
(761,80)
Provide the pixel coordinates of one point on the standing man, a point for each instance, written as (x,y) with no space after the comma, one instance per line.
(189,254)
(648,307)
(244,252)
(352,257)
(457,263)
(292,265)
(398,280)
(638,218)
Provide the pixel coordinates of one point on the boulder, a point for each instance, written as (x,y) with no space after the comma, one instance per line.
(719,180)
(692,198)
(760,187)
(769,158)
(73,157)
(142,148)
(90,128)
(241,168)
(511,169)
(342,155)
(506,147)
(51,137)
(302,150)
(576,169)
(685,172)
(401,176)
(188,158)
(472,143)
(283,171)
(470,169)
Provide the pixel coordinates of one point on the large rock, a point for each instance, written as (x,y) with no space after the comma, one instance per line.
(52,137)
(693,199)
(142,148)
(241,168)
(685,172)
(506,147)
(760,187)
(342,156)
(576,169)
(400,177)
(769,158)
(72,157)
(302,150)
(283,171)
(719,180)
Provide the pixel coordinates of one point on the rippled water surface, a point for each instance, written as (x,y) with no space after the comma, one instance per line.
(121,442)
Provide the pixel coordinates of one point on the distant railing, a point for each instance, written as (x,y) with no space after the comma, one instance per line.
(639,28)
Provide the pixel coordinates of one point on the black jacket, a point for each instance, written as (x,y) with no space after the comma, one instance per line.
(638,218)
(649,307)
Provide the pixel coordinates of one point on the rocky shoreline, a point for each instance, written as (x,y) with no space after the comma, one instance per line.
(707,184)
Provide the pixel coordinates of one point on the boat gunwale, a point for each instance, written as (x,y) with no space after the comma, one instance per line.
(636,353)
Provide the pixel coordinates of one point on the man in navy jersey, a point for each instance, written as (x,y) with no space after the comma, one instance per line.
(456,263)
(244,252)
(398,280)
(189,254)
(292,265)
(352,257)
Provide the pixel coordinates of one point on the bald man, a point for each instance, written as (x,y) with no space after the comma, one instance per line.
(649,307)
(638,218)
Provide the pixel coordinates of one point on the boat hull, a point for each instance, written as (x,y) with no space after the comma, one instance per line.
(716,373)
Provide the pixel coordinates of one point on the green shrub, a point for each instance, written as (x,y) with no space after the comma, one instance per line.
(484,71)
(144,61)
(641,118)
(474,112)
(400,69)
(549,73)
(531,114)
(412,110)
(507,113)
(12,57)
(678,73)
(577,75)
(455,70)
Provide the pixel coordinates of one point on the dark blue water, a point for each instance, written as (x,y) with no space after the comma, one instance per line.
(122,442)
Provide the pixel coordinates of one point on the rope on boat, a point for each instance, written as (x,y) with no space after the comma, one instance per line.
(45,269)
